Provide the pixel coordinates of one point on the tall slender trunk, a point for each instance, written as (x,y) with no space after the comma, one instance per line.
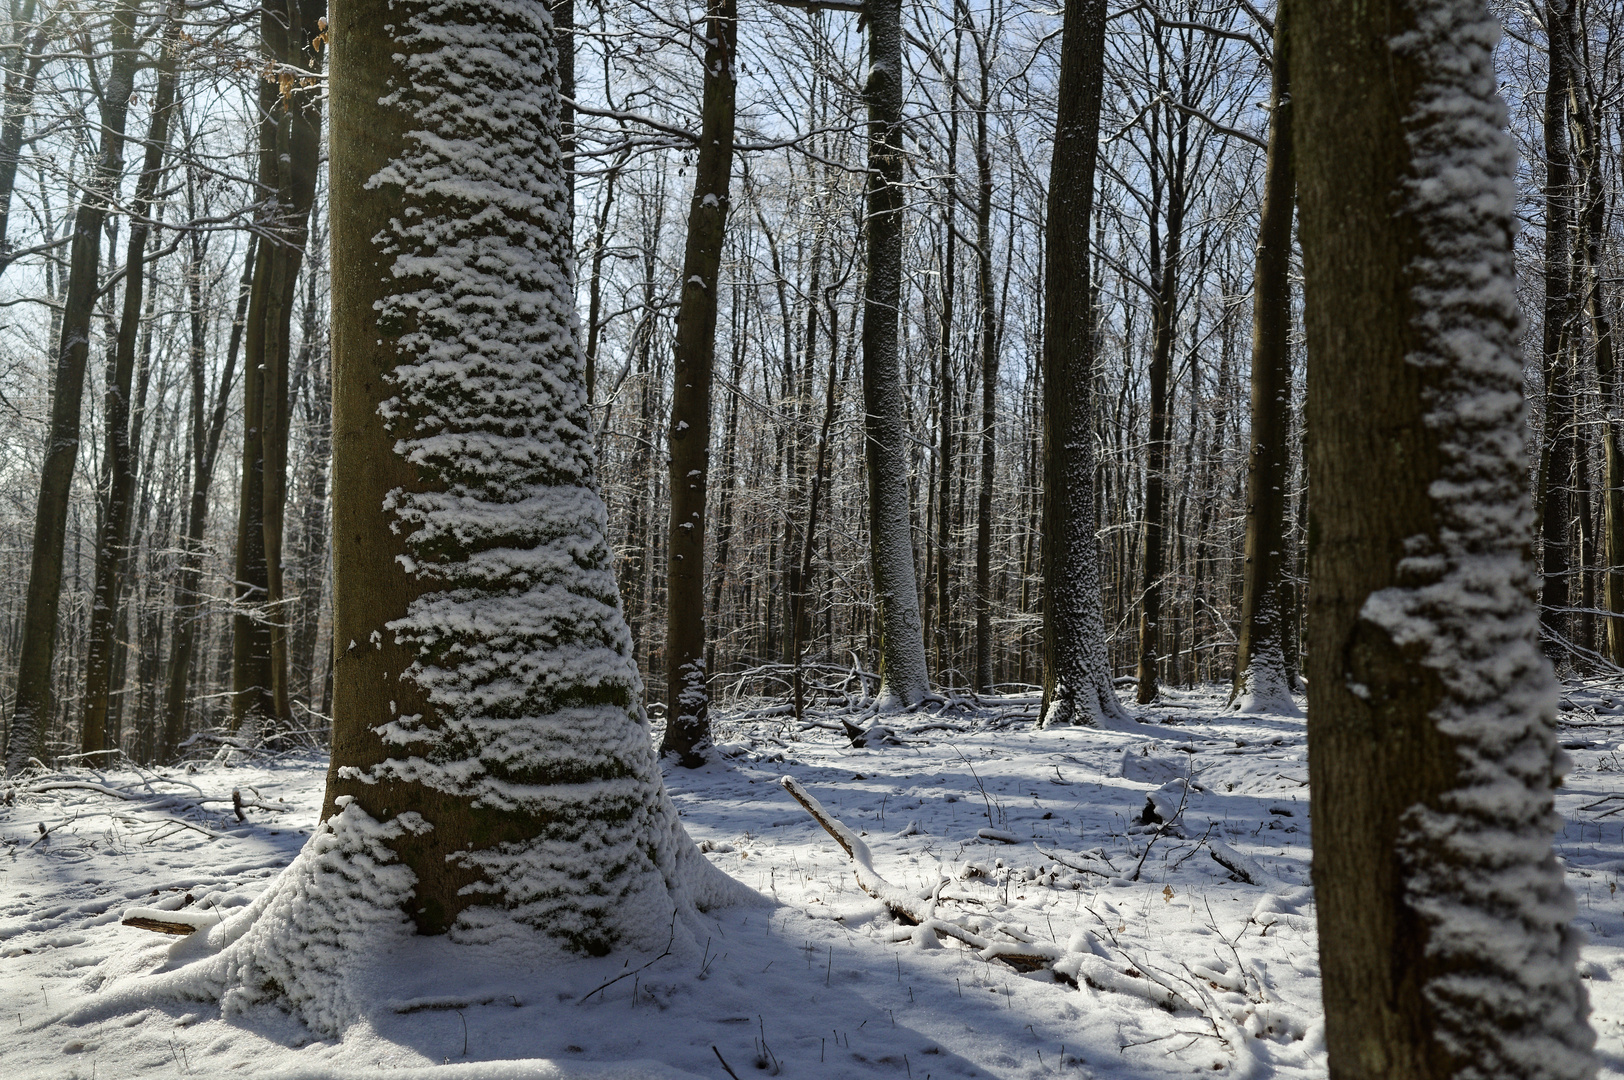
(903,678)
(1592,230)
(112,545)
(289,148)
(687,726)
(1164,319)
(946,398)
(1552,499)
(989,382)
(31,708)
(1262,679)
(1076,670)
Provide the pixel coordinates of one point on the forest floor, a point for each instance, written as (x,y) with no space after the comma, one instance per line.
(1176,965)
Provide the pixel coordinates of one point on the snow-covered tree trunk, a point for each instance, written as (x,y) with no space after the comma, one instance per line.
(1076,670)
(1262,682)
(903,678)
(687,728)
(492,775)
(1444,922)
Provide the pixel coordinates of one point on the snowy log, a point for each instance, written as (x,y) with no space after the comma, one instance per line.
(161,921)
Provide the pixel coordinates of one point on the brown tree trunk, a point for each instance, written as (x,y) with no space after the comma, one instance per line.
(1076,670)
(31,708)
(521,743)
(687,725)
(946,396)
(1552,499)
(1262,678)
(1592,229)
(290,147)
(989,382)
(1444,921)
(113,543)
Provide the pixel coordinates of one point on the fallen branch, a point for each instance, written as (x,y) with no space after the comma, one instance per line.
(903,906)
(1236,863)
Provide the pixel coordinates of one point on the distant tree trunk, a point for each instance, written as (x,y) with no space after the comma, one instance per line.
(946,397)
(989,383)
(112,546)
(1164,326)
(594,326)
(1076,671)
(207,426)
(903,678)
(687,726)
(1592,231)
(1445,934)
(1552,499)
(1262,678)
(511,743)
(31,708)
(289,150)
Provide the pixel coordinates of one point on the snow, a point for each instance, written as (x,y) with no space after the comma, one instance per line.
(821,971)
(1477,862)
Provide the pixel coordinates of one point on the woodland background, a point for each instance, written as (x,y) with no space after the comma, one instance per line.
(1180,171)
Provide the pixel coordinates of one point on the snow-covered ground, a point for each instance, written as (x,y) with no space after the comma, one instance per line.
(1178,966)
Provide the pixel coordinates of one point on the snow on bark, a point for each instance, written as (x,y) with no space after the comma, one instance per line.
(1478,862)
(522,649)
(1263,686)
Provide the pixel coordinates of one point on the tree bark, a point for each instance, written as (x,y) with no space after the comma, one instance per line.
(1592,231)
(989,381)
(1076,670)
(113,544)
(31,708)
(1444,920)
(289,150)
(903,678)
(1262,678)
(946,396)
(1552,499)
(687,726)
(484,681)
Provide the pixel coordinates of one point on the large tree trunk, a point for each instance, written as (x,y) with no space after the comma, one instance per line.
(289,149)
(687,726)
(1076,671)
(113,544)
(488,724)
(31,708)
(903,678)
(1444,922)
(1262,677)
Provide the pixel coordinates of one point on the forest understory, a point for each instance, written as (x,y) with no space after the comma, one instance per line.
(1162,960)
